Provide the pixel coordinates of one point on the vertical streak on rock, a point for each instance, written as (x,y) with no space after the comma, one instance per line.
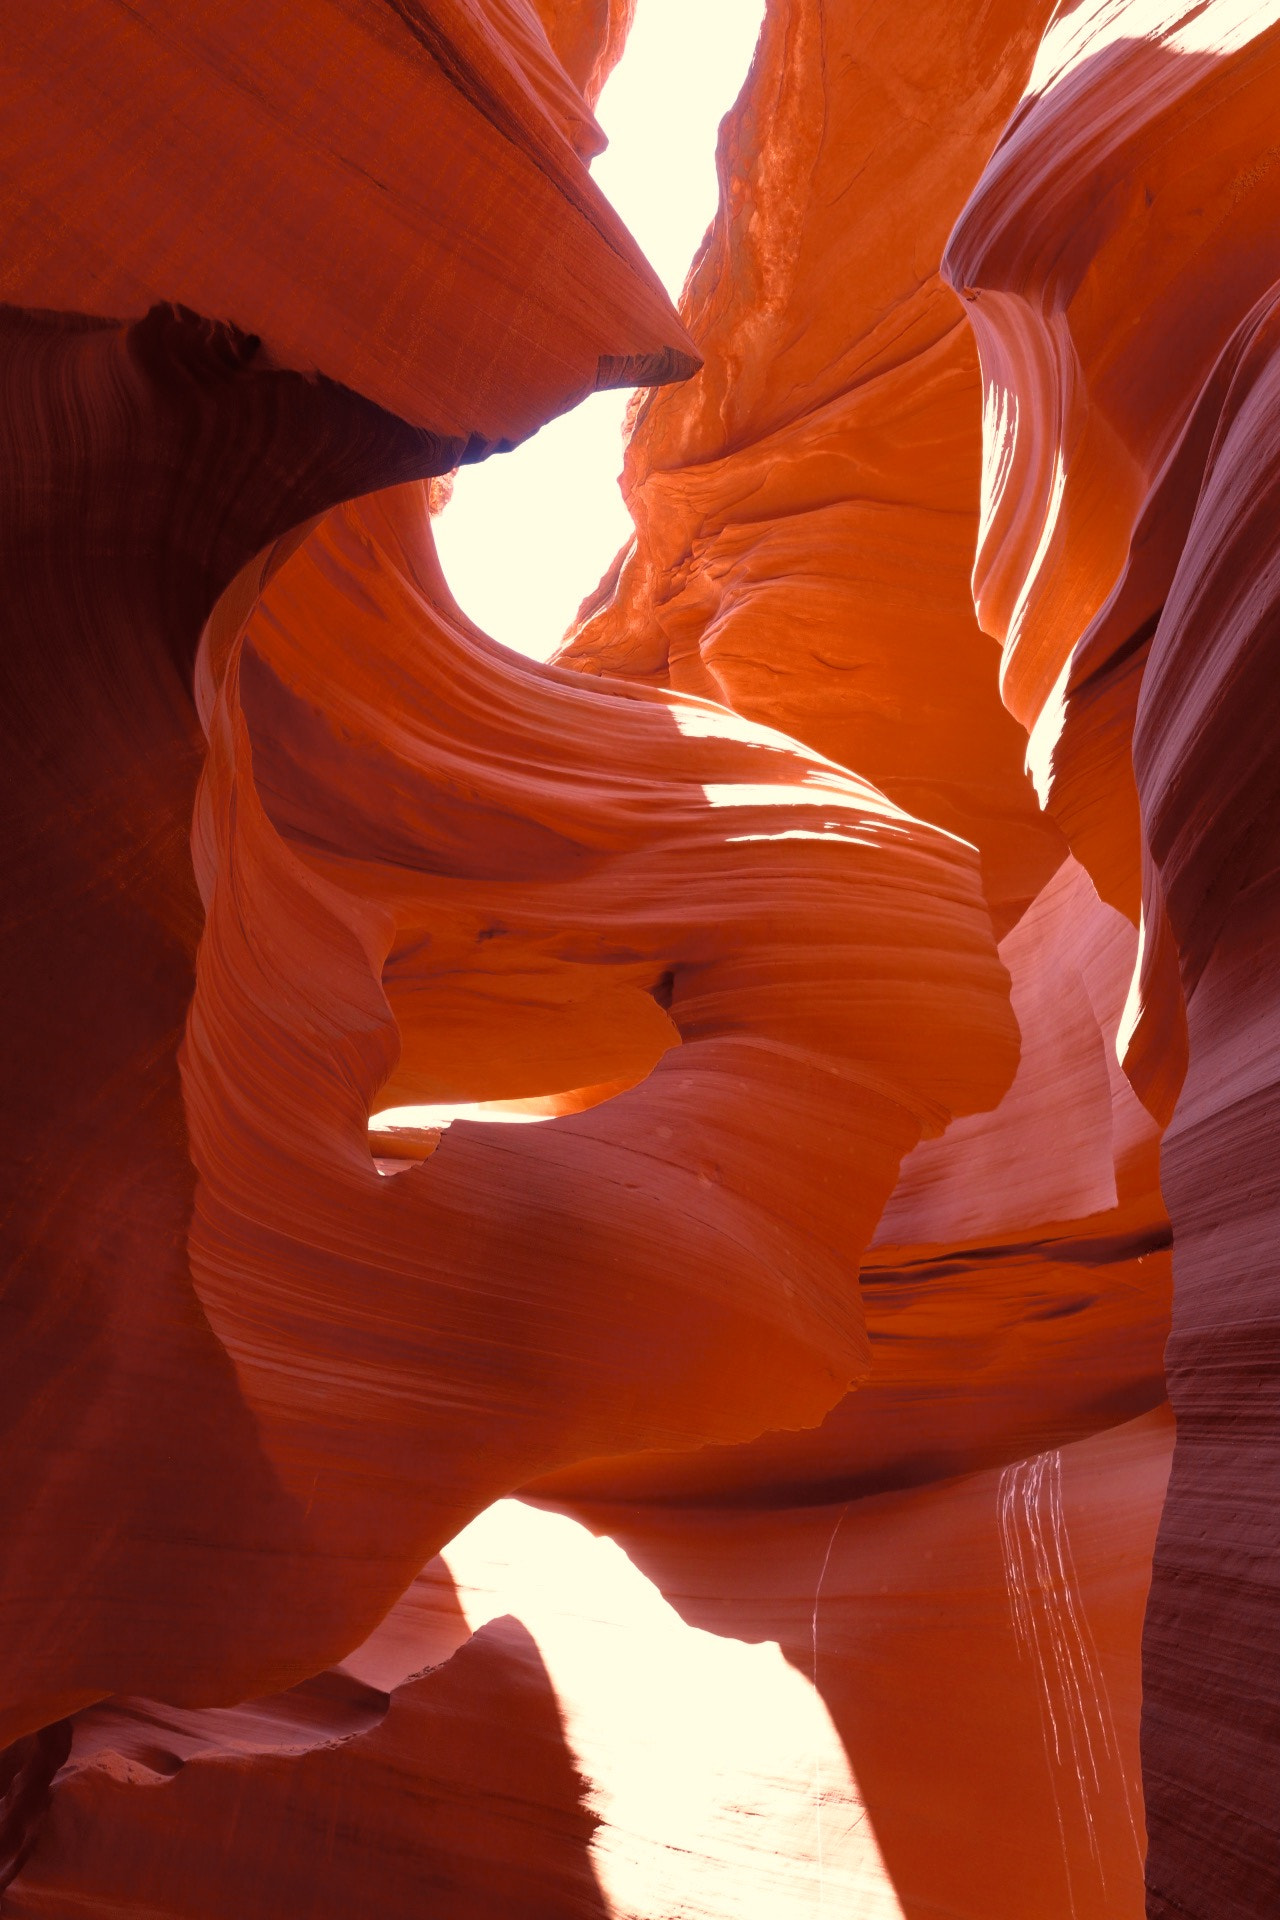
(1206,766)
(1117,260)
(1055,1636)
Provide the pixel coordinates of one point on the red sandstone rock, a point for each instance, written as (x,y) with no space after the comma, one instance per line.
(349,866)
(428,156)
(1117,266)
(806,506)
(643,797)
(1204,752)
(268,1357)
(1016,1291)
(587,38)
(462,1795)
(590,885)
(1095,208)
(149,462)
(856,1686)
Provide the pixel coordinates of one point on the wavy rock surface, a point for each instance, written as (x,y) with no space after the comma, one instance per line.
(466,1797)
(856,1686)
(150,459)
(430,155)
(293,848)
(1106,259)
(354,929)
(378,898)
(1204,753)
(731,920)
(587,38)
(805,507)
(1118,274)
(1016,1291)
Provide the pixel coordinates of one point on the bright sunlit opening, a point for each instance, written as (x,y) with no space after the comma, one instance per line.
(528,534)
(701,1749)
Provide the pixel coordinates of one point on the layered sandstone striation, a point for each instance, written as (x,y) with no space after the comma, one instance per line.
(882,952)
(154,451)
(827,1668)
(1118,265)
(787,496)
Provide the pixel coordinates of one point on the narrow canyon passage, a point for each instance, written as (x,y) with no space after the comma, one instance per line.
(525,539)
(639,1225)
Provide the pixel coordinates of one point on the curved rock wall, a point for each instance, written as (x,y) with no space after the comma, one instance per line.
(1118,264)
(152,455)
(786,496)
(901,1051)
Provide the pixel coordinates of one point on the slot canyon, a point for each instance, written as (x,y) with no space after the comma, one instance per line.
(641,1286)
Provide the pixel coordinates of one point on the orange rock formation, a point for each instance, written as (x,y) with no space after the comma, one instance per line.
(896,1095)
